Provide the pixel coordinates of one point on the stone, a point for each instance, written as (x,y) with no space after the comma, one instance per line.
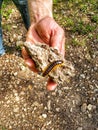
(44,56)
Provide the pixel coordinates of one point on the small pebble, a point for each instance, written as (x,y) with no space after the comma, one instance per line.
(16,109)
(82,75)
(84,107)
(14,26)
(49,105)
(89,107)
(17,98)
(89,115)
(15,73)
(0,73)
(57,109)
(79,128)
(44,115)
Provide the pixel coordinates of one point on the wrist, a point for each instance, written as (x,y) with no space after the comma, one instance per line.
(38,9)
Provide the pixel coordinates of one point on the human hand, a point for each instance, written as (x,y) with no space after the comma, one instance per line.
(49,32)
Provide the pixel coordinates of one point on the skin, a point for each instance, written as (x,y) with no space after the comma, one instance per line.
(44,29)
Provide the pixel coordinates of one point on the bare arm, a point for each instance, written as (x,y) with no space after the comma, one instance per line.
(38,9)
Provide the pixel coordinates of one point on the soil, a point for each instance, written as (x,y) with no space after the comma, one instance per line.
(25,104)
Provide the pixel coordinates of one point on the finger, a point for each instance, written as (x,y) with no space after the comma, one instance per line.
(58,40)
(33,36)
(51,85)
(25,54)
(43,29)
(30,63)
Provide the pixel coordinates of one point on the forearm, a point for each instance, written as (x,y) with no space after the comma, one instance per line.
(38,9)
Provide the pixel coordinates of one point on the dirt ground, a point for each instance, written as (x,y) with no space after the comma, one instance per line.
(26,104)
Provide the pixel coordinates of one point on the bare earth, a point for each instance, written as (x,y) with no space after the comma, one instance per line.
(26,104)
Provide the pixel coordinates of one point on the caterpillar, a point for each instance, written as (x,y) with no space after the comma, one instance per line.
(52,66)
